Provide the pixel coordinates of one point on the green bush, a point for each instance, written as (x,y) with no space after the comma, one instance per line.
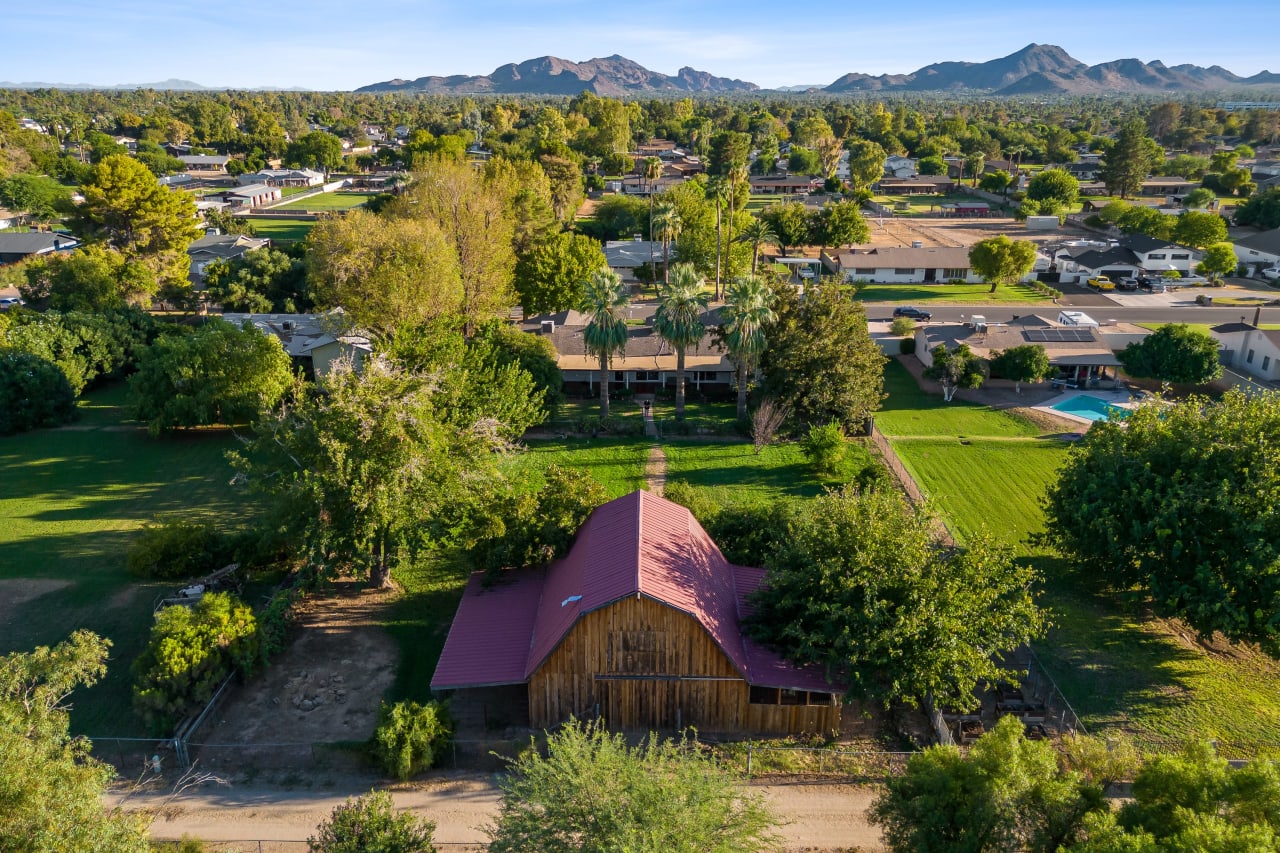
(907,346)
(691,498)
(370,824)
(191,651)
(410,737)
(178,548)
(902,326)
(825,447)
(34,393)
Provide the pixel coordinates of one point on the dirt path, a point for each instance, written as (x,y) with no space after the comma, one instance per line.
(655,470)
(818,817)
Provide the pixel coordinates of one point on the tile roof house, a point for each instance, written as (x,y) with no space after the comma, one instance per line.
(639,624)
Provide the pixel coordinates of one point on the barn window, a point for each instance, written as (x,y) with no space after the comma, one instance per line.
(763,695)
(633,652)
(793,697)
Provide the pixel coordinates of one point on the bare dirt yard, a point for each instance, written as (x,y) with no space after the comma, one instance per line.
(960,232)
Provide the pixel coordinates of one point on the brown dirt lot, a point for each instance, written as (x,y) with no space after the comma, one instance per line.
(959,232)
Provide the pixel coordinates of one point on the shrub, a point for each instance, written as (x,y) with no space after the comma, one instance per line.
(825,446)
(751,535)
(369,824)
(902,326)
(691,498)
(191,650)
(34,393)
(410,737)
(178,548)
(907,346)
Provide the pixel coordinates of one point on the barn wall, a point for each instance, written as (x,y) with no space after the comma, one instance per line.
(642,665)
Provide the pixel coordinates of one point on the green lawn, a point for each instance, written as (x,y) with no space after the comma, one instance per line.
(618,463)
(1202,328)
(909,411)
(282,230)
(924,204)
(732,473)
(72,499)
(327,201)
(941,294)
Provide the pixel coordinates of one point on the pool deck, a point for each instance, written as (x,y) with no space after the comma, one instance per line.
(1119,398)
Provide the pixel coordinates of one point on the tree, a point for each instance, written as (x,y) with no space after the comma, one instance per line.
(50,796)
(757,231)
(315,150)
(1173,353)
(1056,184)
(604,299)
(1007,794)
(145,221)
(790,223)
(840,223)
(652,171)
(1261,211)
(550,277)
(678,320)
(1000,260)
(666,222)
(565,177)
(804,161)
(369,824)
(34,393)
(975,161)
(1130,160)
(746,313)
(995,182)
(219,374)
(38,195)
(594,792)
(410,737)
(866,163)
(829,150)
(264,280)
(932,165)
(821,361)
(1176,499)
(766,420)
(1140,219)
(534,354)
(1219,260)
(955,369)
(1199,229)
(1200,197)
(384,271)
(859,588)
(95,278)
(1026,363)
(85,347)
(366,469)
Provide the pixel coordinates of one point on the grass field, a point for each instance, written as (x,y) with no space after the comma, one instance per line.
(1118,667)
(326,201)
(282,230)
(732,473)
(72,499)
(921,204)
(618,463)
(941,294)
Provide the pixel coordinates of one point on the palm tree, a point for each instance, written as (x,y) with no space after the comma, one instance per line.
(652,171)
(737,173)
(717,190)
(678,320)
(756,233)
(746,312)
(666,220)
(604,300)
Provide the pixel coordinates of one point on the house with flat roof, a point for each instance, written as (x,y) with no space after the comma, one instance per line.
(205,164)
(248,197)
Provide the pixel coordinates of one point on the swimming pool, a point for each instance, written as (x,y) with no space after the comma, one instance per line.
(1091,408)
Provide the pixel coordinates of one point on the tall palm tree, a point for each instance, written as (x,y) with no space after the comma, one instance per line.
(736,174)
(604,300)
(717,191)
(666,221)
(678,320)
(747,310)
(757,232)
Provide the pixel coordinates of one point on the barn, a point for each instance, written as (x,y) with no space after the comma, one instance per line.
(639,624)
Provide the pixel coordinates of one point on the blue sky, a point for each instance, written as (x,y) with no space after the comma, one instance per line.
(325,44)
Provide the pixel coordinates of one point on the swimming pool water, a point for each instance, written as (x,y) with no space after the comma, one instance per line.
(1090,407)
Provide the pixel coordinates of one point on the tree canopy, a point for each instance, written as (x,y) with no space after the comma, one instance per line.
(1000,260)
(1177,499)
(1198,229)
(1173,353)
(1026,363)
(955,368)
(551,276)
(1057,185)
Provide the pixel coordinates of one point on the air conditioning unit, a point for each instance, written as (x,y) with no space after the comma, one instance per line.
(287,325)
(548,327)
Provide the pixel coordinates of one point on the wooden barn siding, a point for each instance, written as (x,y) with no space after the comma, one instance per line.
(640,637)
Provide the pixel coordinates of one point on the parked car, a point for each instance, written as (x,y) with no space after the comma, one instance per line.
(913,313)
(1272,273)
(1151,284)
(1101,283)
(1127,283)
(7,302)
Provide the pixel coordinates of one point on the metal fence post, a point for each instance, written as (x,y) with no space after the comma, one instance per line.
(748,761)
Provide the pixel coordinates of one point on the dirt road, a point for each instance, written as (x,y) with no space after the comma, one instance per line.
(819,817)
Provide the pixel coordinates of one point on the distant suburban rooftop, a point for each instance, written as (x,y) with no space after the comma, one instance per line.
(204,159)
(34,242)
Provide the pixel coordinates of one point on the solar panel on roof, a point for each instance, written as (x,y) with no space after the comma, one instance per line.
(1075,336)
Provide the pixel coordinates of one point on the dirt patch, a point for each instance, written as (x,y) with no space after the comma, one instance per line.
(902,231)
(327,686)
(655,470)
(16,592)
(1047,423)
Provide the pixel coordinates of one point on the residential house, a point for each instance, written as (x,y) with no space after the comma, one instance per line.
(221,247)
(10,219)
(640,625)
(1085,171)
(315,342)
(918,185)
(1174,187)
(1260,250)
(784,184)
(1248,349)
(927,264)
(1159,256)
(901,167)
(283,178)
(655,148)
(640,185)
(20,246)
(623,256)
(248,197)
(1131,255)
(205,164)
(1081,355)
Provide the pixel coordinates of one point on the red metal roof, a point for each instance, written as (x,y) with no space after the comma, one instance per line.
(639,544)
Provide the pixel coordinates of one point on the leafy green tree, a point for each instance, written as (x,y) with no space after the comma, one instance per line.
(383,272)
(315,150)
(534,354)
(866,163)
(95,278)
(1056,184)
(821,361)
(410,737)
(860,589)
(264,280)
(804,161)
(995,182)
(219,374)
(1199,229)
(747,313)
(50,787)
(955,369)
(790,222)
(1000,260)
(550,277)
(1007,795)
(369,824)
(367,469)
(1261,211)
(1130,160)
(39,195)
(678,320)
(145,221)
(1176,499)
(1173,353)
(1219,260)
(190,651)
(604,300)
(826,448)
(85,347)
(34,393)
(1140,219)
(839,223)
(1200,197)
(594,792)
(1026,363)
(619,217)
